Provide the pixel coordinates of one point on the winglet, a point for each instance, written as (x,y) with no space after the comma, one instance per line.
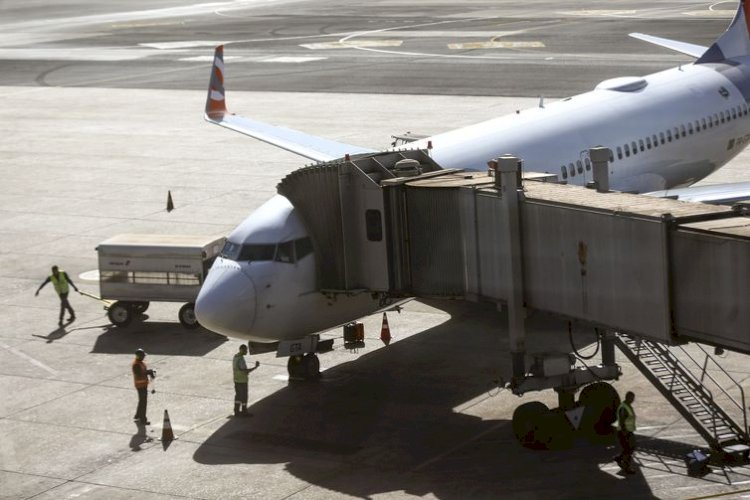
(216,106)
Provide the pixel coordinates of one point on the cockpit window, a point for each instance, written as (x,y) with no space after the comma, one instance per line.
(247,252)
(285,252)
(282,252)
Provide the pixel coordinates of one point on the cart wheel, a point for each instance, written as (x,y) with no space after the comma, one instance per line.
(139,307)
(119,314)
(187,316)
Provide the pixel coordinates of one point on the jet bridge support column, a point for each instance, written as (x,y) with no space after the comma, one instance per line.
(600,159)
(507,181)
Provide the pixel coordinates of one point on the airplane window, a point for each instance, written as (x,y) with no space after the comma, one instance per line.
(721,116)
(734,113)
(254,253)
(374,225)
(643,148)
(648,143)
(669,135)
(661,138)
(703,122)
(619,153)
(656,140)
(231,250)
(285,252)
(572,170)
(690,128)
(716,119)
(303,247)
(684,132)
(587,162)
(580,166)
(564,172)
(635,147)
(611,159)
(627,150)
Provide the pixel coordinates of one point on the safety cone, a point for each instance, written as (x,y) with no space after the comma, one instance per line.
(166,430)
(170,205)
(385,331)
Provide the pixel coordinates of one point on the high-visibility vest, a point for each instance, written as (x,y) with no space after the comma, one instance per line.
(630,419)
(239,367)
(140,377)
(60,282)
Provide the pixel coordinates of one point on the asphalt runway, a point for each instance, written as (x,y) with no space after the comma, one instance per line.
(102,115)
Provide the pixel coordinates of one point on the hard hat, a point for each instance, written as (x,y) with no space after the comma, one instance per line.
(140,352)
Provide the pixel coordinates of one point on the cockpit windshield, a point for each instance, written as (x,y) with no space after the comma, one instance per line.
(288,251)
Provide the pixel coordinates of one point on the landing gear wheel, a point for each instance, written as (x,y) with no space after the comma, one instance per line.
(600,401)
(187,316)
(295,367)
(527,421)
(311,366)
(139,307)
(554,432)
(119,314)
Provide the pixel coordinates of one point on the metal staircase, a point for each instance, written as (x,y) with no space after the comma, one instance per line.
(689,394)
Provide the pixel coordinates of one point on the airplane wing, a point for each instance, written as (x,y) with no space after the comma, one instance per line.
(681,47)
(715,194)
(309,146)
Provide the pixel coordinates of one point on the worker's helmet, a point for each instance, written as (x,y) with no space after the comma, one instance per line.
(140,353)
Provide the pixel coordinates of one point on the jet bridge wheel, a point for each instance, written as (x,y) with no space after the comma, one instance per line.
(528,419)
(139,307)
(600,401)
(120,314)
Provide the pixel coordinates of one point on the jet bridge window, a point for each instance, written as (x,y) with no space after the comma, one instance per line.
(374,225)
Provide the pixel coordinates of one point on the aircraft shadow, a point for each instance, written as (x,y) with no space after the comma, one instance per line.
(388,422)
(168,338)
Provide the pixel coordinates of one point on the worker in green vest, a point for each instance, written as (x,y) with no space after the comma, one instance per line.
(241,370)
(61,281)
(626,433)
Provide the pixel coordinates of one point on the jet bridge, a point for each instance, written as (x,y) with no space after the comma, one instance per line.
(664,271)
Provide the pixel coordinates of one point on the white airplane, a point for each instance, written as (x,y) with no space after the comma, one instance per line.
(665,130)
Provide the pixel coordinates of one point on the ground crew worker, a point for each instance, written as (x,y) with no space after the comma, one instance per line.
(241,370)
(626,433)
(60,280)
(141,374)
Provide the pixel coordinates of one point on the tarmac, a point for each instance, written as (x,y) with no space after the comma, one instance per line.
(425,416)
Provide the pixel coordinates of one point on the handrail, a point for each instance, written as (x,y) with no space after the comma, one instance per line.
(739,405)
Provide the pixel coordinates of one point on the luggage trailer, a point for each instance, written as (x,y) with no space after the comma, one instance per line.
(137,269)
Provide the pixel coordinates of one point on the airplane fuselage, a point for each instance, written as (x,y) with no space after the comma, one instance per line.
(667,129)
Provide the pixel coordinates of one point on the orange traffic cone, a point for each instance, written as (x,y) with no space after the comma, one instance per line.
(166,430)
(170,205)
(385,331)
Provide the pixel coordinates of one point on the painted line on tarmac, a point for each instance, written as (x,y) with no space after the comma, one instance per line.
(30,359)
(495,45)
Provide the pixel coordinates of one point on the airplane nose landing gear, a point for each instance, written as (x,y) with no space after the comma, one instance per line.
(303,367)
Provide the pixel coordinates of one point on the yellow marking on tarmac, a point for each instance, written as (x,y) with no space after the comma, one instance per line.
(495,45)
(352,44)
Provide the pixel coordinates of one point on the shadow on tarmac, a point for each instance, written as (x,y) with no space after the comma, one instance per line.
(388,422)
(139,438)
(167,338)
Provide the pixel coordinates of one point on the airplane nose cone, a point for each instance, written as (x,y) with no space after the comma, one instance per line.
(226,302)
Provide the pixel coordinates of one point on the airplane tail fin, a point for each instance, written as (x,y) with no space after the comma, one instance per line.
(216,106)
(735,41)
